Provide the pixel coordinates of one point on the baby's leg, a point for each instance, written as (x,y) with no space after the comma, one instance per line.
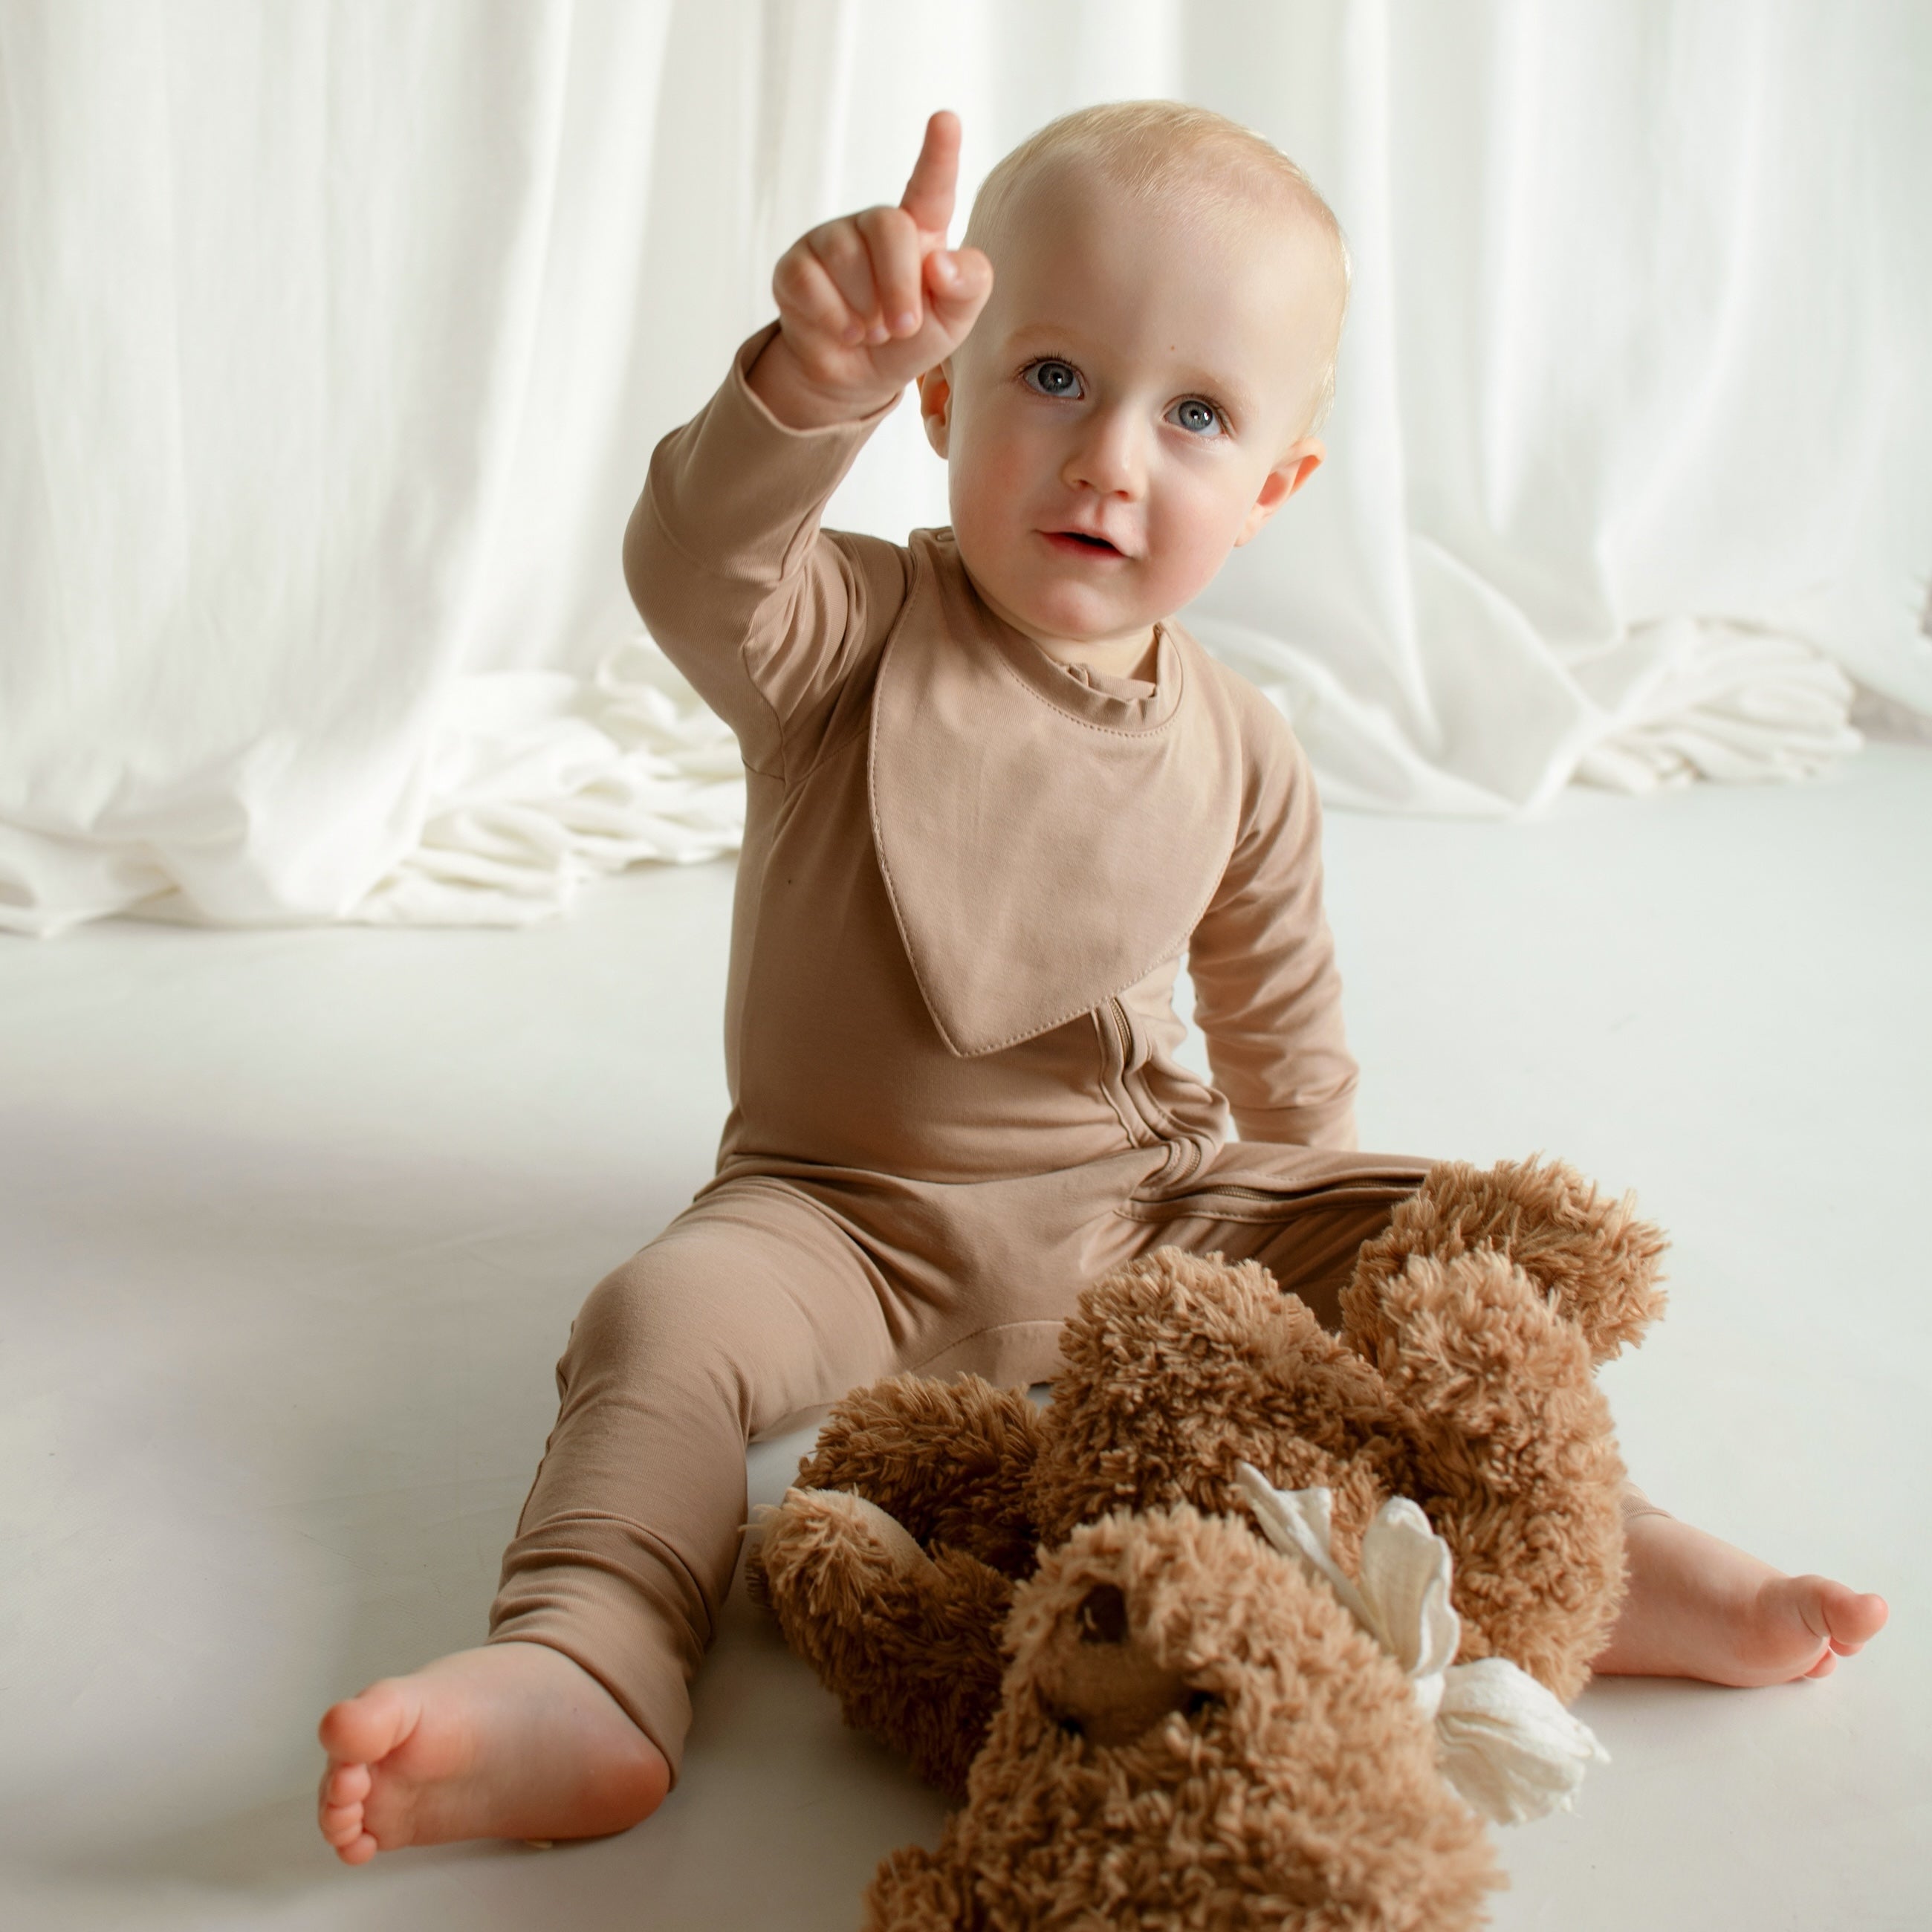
(570,1721)
(1303,1213)
(1699,1607)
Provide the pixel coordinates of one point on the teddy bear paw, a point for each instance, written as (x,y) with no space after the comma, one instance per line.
(906,1638)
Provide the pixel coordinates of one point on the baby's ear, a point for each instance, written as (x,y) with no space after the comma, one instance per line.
(1298,463)
(935,405)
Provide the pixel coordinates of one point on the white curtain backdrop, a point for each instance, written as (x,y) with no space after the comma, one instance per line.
(334,338)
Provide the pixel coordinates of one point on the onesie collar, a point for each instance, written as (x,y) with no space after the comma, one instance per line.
(1046,842)
(1113,704)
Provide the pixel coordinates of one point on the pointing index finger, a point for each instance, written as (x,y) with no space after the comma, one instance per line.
(928,194)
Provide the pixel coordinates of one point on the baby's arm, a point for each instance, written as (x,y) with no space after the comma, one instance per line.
(766,615)
(1266,991)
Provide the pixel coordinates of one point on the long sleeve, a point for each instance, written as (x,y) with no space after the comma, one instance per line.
(765,614)
(1266,994)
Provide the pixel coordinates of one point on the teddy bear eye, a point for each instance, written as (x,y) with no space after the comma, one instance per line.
(1103,1614)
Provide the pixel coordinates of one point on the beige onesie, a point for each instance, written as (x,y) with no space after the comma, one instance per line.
(969,876)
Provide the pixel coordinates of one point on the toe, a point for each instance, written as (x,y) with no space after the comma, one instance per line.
(1824,1666)
(342,1824)
(1852,1618)
(346,1784)
(359,1852)
(365,1729)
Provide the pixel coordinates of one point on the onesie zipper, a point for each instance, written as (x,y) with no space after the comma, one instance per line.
(1116,1042)
(1184,1154)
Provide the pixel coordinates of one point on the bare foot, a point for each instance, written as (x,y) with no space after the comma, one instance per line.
(512,1741)
(1699,1607)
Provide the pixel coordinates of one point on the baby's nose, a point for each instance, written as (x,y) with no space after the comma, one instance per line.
(1110,456)
(1101,1684)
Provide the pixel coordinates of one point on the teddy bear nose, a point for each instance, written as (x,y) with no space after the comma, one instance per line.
(1105,1686)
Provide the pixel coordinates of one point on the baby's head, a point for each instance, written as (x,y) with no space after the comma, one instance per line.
(1141,390)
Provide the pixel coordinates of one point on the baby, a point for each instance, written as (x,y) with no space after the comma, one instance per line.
(995,794)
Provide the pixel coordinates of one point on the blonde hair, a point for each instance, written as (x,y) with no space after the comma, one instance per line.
(1188,158)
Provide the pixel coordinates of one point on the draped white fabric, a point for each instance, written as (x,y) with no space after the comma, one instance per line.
(334,338)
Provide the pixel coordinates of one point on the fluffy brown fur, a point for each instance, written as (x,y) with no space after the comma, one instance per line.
(1290,1781)
(1462,1378)
(910,1642)
(1592,1254)
(882,1442)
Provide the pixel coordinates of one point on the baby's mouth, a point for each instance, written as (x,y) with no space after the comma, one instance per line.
(1081,543)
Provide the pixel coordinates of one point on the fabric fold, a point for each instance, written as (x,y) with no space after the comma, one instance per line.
(540,781)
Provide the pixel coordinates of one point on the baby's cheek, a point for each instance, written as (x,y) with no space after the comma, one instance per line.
(975,504)
(987,486)
(1187,550)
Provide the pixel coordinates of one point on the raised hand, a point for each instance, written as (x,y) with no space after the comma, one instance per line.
(868,301)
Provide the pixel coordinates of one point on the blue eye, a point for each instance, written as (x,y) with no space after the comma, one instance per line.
(1194,416)
(1052,377)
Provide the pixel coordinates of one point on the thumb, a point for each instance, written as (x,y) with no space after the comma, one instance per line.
(957,281)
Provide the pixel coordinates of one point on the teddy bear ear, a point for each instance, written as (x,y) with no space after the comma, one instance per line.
(1591,1254)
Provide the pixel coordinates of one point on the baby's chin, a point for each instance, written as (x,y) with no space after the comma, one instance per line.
(1060,614)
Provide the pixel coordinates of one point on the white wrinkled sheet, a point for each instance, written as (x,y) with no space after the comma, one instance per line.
(538,781)
(334,339)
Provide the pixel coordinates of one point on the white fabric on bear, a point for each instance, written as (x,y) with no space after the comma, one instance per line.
(1505,1744)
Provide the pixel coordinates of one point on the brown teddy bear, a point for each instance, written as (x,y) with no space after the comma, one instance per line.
(1165,1718)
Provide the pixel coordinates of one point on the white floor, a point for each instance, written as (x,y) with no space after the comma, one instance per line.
(294,1223)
